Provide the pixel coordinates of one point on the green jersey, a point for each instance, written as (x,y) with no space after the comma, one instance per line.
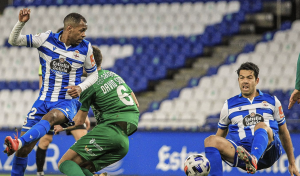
(111,101)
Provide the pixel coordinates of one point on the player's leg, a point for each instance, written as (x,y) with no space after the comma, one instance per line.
(216,148)
(54,117)
(44,142)
(21,158)
(59,112)
(78,133)
(69,163)
(263,136)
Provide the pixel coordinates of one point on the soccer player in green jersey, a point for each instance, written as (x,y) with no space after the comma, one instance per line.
(116,110)
(295,97)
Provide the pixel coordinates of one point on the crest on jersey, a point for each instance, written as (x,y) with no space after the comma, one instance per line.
(92,60)
(252,119)
(281,114)
(76,54)
(265,104)
(60,66)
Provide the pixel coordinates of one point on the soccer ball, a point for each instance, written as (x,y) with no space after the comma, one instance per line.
(196,165)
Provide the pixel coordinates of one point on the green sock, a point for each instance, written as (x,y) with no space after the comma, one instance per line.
(70,168)
(87,172)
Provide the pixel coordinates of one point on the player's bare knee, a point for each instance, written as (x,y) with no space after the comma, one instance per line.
(210,141)
(261,125)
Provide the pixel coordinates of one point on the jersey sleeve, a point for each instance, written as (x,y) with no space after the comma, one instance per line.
(90,64)
(36,40)
(17,39)
(278,112)
(224,120)
(86,98)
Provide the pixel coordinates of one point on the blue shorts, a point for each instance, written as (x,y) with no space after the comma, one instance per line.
(268,158)
(68,107)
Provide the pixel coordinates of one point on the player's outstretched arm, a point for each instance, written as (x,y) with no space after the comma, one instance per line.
(79,119)
(295,97)
(286,141)
(15,38)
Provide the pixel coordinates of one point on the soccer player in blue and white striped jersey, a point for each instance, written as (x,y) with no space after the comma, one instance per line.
(63,56)
(256,125)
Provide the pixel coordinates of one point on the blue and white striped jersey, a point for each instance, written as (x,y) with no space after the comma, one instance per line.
(240,115)
(61,66)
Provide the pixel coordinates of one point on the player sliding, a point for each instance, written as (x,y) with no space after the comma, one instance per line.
(62,56)
(115,108)
(256,124)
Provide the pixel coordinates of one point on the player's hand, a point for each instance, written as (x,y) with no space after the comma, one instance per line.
(24,15)
(57,129)
(87,123)
(293,170)
(294,97)
(74,91)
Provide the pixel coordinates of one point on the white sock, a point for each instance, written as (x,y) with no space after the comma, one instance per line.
(20,144)
(40,173)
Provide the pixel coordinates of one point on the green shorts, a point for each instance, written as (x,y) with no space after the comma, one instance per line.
(104,145)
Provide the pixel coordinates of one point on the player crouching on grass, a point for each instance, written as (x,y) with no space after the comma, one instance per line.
(256,124)
(116,110)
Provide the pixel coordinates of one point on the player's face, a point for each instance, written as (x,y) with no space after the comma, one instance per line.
(78,33)
(247,82)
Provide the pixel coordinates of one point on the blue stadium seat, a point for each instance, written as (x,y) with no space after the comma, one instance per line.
(119,63)
(134,41)
(153,106)
(156,60)
(12,85)
(230,59)
(145,41)
(17,3)
(99,41)
(256,6)
(122,41)
(239,16)
(34,85)
(174,94)
(169,40)
(111,41)
(248,48)
(24,85)
(149,72)
(160,72)
(286,25)
(212,71)
(3,85)
(139,50)
(216,38)
(197,50)
(157,40)
(268,36)
(179,61)
(193,82)
(141,84)
(233,27)
(144,60)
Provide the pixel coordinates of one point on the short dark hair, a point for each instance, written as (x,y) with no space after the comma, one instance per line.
(73,18)
(97,55)
(249,66)
(60,29)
